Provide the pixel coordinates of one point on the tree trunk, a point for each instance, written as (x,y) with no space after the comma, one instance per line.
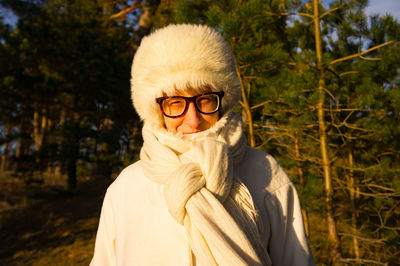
(301,180)
(39,132)
(4,156)
(245,105)
(58,170)
(23,142)
(102,167)
(145,21)
(36,130)
(333,236)
(72,153)
(353,196)
(71,172)
(249,117)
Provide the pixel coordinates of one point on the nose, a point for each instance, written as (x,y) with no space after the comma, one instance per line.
(192,117)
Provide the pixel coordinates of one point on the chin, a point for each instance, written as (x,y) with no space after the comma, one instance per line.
(191,131)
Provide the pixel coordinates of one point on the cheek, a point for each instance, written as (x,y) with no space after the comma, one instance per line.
(212,119)
(172,123)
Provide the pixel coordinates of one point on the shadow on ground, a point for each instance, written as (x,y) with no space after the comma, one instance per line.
(52,227)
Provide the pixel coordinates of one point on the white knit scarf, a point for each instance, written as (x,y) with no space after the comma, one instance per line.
(202,192)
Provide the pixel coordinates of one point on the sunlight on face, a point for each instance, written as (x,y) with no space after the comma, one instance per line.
(192,121)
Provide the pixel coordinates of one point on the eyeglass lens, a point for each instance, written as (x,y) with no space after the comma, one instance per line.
(176,106)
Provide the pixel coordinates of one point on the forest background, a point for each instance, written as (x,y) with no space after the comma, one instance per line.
(320,93)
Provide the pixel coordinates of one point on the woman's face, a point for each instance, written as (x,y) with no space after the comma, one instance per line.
(192,121)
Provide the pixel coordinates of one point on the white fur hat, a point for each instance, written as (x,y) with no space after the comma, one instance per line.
(178,57)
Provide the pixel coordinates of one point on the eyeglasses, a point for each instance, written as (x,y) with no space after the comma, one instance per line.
(176,106)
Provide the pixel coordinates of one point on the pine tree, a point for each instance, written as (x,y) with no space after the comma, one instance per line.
(296,102)
(75,77)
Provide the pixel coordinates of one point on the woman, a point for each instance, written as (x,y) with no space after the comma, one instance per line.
(199,195)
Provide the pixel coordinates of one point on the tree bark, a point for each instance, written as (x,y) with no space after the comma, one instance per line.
(36,130)
(4,156)
(68,146)
(72,152)
(39,132)
(249,117)
(58,170)
(245,101)
(23,139)
(145,21)
(352,191)
(333,236)
(301,180)
(102,167)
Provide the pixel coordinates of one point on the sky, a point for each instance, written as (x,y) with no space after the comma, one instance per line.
(383,7)
(8,17)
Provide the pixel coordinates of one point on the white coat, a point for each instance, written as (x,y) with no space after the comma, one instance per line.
(136,228)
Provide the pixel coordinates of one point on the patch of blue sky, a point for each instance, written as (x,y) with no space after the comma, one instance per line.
(384,7)
(8,16)
(375,7)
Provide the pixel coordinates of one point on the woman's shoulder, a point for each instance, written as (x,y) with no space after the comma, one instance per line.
(262,168)
(260,156)
(131,170)
(130,177)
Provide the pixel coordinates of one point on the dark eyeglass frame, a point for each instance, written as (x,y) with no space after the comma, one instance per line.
(188,100)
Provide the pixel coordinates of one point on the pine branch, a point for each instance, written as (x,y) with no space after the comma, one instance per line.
(290,14)
(135,5)
(348,73)
(382,187)
(374,194)
(379,241)
(297,14)
(360,54)
(332,10)
(370,59)
(352,126)
(349,260)
(261,104)
(348,109)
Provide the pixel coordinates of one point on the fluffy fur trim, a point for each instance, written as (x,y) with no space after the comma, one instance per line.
(182,57)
